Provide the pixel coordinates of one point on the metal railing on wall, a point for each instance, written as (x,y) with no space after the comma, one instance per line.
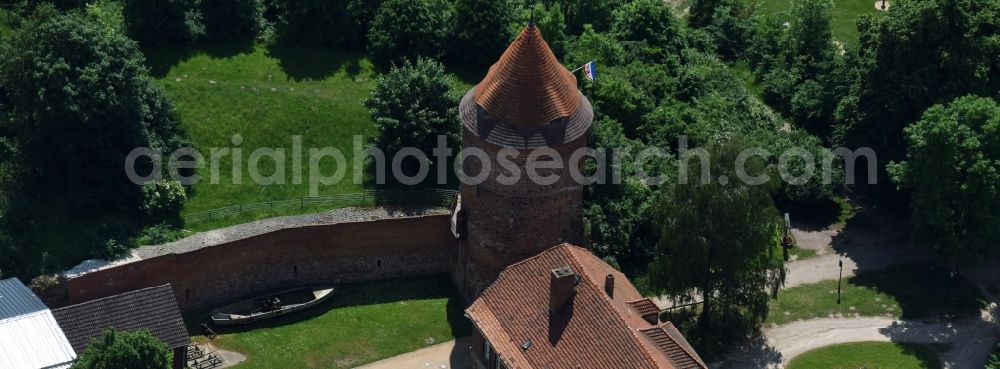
(421,197)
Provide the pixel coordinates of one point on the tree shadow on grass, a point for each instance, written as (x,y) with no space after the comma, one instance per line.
(756,353)
(160,59)
(311,63)
(926,292)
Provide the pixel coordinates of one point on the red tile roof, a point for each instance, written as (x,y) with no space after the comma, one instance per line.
(593,331)
(681,353)
(528,86)
(644,307)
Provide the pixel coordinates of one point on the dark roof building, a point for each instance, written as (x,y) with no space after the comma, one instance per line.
(154,309)
(567,309)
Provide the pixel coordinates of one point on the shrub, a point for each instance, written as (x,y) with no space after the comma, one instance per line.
(408,29)
(158,21)
(160,234)
(163,200)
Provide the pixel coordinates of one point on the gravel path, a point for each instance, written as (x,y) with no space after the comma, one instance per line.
(876,243)
(241,231)
(971,340)
(453,354)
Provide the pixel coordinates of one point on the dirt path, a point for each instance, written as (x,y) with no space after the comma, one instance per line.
(826,267)
(453,354)
(971,340)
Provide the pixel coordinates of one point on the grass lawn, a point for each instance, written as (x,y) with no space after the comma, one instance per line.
(845,14)
(882,355)
(910,292)
(267,96)
(799,253)
(361,324)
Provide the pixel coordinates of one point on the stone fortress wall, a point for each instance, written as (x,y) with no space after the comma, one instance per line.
(218,267)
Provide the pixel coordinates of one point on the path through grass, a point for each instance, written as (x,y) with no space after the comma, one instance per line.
(907,292)
(882,355)
(361,324)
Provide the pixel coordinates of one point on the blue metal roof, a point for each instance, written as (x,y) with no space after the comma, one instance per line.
(30,338)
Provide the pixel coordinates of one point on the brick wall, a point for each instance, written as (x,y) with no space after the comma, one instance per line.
(308,255)
(510,222)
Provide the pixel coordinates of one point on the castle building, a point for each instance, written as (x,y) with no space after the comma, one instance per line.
(567,309)
(539,302)
(527,108)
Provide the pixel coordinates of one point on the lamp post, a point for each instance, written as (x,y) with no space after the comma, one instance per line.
(840,280)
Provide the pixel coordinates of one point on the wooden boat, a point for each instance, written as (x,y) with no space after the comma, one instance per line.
(270,306)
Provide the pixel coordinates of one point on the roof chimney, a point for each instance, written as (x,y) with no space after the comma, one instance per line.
(563,288)
(609,285)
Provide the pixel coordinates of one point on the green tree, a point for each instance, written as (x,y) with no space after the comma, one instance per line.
(233,20)
(805,78)
(133,350)
(917,54)
(717,244)
(161,21)
(482,31)
(953,167)
(407,29)
(72,140)
(650,21)
(75,100)
(412,105)
(616,211)
(580,13)
(731,26)
(341,24)
(811,36)
(593,45)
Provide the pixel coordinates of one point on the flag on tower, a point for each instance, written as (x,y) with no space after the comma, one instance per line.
(590,70)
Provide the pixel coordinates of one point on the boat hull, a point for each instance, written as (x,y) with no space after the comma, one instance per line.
(250,311)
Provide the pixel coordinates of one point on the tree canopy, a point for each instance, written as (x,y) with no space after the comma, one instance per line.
(717,244)
(75,100)
(408,29)
(411,105)
(482,30)
(133,350)
(158,21)
(953,168)
(919,53)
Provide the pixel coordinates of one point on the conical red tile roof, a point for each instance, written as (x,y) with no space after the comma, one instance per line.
(528,86)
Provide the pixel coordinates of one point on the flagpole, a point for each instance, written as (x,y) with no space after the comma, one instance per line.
(581,67)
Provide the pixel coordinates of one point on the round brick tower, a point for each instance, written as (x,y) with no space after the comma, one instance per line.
(530,103)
